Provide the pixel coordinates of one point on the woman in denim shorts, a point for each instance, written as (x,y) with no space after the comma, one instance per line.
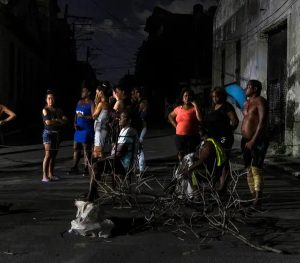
(53,119)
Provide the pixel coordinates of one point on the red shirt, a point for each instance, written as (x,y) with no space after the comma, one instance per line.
(187,122)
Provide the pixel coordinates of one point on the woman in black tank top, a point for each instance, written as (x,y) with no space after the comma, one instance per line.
(53,119)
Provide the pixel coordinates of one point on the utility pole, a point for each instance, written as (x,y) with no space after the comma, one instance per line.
(81,30)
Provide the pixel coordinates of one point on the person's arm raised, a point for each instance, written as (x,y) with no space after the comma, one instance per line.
(10,113)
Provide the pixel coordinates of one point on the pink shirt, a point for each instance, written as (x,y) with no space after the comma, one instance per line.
(187,122)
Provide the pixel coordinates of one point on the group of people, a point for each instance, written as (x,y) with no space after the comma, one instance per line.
(98,124)
(210,138)
(117,117)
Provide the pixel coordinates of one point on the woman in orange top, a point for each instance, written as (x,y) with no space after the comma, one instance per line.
(186,119)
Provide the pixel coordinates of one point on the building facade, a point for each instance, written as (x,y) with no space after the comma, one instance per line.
(37,52)
(177,52)
(20,53)
(260,39)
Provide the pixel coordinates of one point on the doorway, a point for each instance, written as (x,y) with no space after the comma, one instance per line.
(277,82)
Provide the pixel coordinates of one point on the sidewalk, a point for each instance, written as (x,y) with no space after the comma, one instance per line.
(158,144)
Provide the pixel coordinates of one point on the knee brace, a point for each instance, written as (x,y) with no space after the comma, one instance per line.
(257,178)
(250,181)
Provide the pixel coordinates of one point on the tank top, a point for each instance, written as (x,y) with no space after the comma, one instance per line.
(102,121)
(52,114)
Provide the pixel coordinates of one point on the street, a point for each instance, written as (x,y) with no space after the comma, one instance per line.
(35,228)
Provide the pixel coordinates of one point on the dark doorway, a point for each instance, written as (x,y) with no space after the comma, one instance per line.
(277,82)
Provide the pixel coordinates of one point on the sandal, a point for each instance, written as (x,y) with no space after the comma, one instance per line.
(45,180)
(54,178)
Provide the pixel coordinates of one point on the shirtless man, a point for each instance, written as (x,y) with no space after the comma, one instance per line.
(255,139)
(10,116)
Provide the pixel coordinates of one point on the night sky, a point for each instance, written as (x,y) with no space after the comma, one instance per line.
(118,28)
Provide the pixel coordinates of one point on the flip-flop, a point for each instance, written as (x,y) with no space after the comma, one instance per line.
(54,178)
(45,180)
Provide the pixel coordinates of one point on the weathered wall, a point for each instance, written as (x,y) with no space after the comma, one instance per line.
(249,21)
(293,68)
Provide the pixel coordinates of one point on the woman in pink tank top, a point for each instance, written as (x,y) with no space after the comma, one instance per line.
(186,119)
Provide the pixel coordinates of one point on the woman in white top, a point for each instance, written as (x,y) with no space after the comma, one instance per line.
(101,117)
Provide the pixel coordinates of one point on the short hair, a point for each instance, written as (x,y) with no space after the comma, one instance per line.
(120,87)
(139,89)
(127,113)
(184,90)
(221,91)
(257,84)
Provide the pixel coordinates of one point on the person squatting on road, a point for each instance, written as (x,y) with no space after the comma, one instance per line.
(140,111)
(122,156)
(255,139)
(186,119)
(53,119)
(203,167)
(101,115)
(10,116)
(84,130)
(221,121)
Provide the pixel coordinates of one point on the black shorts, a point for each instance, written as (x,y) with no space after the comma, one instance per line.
(256,156)
(186,144)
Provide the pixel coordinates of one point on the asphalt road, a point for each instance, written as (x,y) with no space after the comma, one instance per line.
(35,229)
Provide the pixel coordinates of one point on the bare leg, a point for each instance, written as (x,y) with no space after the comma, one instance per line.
(222,185)
(87,157)
(52,163)
(76,156)
(46,161)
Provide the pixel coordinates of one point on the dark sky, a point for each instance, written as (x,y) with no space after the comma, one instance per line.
(118,27)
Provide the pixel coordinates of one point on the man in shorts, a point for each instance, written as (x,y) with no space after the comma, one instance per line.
(255,140)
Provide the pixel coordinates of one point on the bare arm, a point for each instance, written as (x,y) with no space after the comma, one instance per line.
(97,110)
(198,112)
(119,106)
(10,113)
(171,118)
(204,154)
(56,122)
(234,121)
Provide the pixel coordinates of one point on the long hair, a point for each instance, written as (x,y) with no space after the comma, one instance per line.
(104,88)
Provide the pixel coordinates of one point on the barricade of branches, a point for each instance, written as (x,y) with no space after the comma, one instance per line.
(182,205)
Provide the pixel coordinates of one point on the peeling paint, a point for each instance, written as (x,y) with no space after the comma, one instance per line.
(294,64)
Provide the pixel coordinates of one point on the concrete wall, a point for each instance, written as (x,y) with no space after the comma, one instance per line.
(249,21)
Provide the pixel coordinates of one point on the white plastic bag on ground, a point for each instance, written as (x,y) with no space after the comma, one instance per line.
(88,221)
